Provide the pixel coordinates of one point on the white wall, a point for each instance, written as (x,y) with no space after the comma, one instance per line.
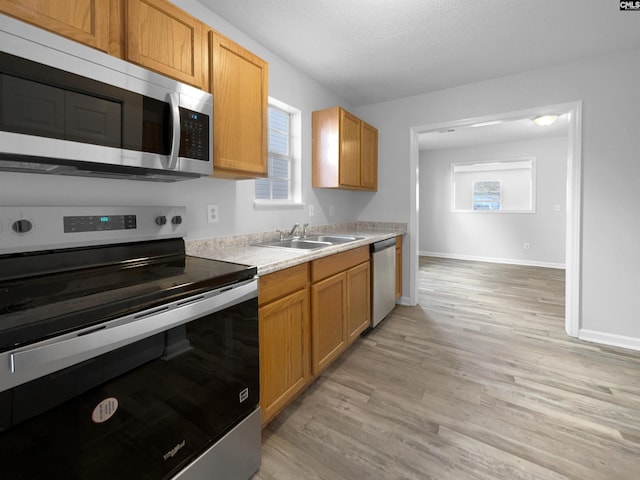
(234,198)
(608,87)
(496,236)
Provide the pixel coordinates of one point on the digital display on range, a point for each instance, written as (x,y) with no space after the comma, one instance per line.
(98,223)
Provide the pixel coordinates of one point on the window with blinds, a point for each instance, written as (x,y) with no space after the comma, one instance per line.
(277,186)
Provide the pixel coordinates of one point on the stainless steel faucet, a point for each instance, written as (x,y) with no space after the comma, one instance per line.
(294,230)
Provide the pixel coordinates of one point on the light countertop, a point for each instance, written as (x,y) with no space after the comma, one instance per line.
(239,249)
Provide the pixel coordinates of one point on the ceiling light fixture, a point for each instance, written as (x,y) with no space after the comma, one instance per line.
(545,120)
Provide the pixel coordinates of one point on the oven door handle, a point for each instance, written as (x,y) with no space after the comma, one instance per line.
(34,362)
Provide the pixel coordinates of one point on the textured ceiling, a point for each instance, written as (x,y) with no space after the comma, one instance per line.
(368,51)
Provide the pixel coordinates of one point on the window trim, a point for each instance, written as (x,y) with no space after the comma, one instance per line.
(488,166)
(295,150)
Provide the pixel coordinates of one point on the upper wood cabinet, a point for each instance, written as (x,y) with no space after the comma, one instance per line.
(345,151)
(161,37)
(85,21)
(369,160)
(239,83)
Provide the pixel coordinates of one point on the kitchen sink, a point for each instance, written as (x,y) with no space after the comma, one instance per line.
(333,239)
(295,243)
(311,242)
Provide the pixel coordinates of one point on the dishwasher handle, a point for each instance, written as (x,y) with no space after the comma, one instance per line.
(381,245)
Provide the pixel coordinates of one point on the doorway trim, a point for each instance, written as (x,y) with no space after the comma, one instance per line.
(573,199)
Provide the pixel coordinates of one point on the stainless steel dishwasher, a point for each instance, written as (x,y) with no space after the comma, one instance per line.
(383,279)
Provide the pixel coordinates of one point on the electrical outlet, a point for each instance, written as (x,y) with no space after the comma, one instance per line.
(332,210)
(527,245)
(212,214)
(311,212)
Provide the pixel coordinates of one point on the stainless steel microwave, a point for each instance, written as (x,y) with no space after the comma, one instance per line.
(69,109)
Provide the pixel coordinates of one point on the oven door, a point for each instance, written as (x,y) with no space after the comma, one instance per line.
(145,410)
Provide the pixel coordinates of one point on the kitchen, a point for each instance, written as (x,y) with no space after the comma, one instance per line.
(606,85)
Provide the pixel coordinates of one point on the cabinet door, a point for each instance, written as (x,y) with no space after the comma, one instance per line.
(328,320)
(85,21)
(369,164)
(398,266)
(284,351)
(161,37)
(358,300)
(239,83)
(349,149)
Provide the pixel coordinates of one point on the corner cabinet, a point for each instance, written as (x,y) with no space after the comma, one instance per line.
(163,38)
(285,342)
(239,83)
(85,21)
(351,162)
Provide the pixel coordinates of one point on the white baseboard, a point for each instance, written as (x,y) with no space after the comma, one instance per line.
(611,339)
(405,301)
(510,261)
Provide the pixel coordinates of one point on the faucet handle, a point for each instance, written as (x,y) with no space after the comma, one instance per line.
(304,230)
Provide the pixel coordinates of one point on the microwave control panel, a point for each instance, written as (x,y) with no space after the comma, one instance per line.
(194,135)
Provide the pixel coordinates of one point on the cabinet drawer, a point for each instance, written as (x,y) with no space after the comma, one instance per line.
(278,284)
(327,266)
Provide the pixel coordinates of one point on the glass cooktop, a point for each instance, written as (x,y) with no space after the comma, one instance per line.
(50,293)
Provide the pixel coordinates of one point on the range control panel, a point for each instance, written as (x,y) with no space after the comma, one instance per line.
(98,223)
(28,229)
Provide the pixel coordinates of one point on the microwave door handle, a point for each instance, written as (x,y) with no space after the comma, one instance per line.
(174,102)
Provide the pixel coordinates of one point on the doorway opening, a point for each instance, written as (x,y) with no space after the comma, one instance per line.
(573,110)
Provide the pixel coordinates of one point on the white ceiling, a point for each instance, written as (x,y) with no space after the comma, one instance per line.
(507,131)
(369,51)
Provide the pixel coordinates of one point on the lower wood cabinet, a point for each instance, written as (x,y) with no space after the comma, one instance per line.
(309,314)
(329,317)
(398,266)
(358,300)
(340,303)
(285,346)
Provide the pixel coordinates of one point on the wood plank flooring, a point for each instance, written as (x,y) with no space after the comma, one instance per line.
(479,381)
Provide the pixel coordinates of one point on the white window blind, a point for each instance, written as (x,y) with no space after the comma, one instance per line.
(277,186)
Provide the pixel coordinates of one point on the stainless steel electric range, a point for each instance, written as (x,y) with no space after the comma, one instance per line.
(120,356)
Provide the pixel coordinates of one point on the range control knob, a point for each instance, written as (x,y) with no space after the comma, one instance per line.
(21,226)
(161,220)
(177,220)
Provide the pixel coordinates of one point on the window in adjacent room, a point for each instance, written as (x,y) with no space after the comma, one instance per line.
(486,195)
(282,186)
(506,186)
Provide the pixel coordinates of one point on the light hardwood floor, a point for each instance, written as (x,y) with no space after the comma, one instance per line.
(477,382)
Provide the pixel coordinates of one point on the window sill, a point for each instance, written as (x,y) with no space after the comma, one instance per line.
(270,205)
